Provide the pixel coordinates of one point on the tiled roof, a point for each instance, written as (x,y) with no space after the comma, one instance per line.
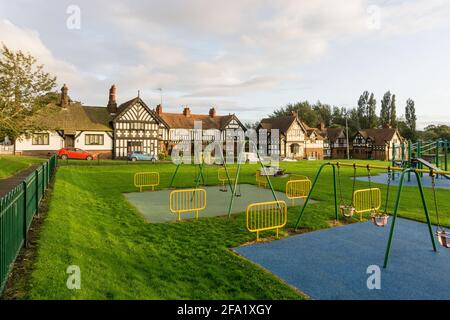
(379,136)
(332,134)
(75,117)
(281,123)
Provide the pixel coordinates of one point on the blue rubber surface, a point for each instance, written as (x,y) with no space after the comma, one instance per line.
(332,263)
(441,182)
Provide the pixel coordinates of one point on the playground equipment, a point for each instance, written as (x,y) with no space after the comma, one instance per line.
(347,210)
(404,172)
(146,179)
(422,154)
(298,189)
(187,200)
(264,216)
(442,235)
(223,177)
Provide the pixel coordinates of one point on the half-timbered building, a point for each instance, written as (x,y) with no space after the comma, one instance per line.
(375,144)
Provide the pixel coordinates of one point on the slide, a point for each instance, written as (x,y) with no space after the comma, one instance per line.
(431,166)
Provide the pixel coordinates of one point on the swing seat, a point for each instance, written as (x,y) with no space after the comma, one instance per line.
(443,238)
(347,211)
(379,219)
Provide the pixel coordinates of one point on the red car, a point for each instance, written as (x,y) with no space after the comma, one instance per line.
(75,153)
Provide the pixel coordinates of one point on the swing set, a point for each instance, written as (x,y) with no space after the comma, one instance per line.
(369,200)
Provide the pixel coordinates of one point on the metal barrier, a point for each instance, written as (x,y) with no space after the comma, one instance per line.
(187,200)
(366,200)
(17,209)
(264,216)
(260,179)
(146,179)
(298,189)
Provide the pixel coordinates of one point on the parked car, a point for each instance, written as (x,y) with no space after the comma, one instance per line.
(141,156)
(75,153)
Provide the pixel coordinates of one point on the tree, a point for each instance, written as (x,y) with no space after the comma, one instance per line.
(324,113)
(303,109)
(410,119)
(385,115)
(361,110)
(393,113)
(23,89)
(372,119)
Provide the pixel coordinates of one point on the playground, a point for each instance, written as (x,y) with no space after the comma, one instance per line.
(321,242)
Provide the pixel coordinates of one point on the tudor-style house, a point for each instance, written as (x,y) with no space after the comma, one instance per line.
(115,130)
(335,142)
(297,141)
(375,143)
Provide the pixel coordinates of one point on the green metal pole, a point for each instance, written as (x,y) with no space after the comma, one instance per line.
(394,215)
(310,192)
(394,146)
(446,154)
(174,174)
(335,195)
(438,145)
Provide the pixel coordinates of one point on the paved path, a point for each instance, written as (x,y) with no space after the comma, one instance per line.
(8,184)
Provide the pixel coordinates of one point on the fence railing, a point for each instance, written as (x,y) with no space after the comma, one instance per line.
(17,209)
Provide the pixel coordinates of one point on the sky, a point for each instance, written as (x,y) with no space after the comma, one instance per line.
(247,57)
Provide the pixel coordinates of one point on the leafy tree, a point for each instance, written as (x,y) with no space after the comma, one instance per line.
(303,109)
(324,113)
(393,113)
(410,119)
(372,119)
(363,103)
(434,132)
(385,113)
(23,89)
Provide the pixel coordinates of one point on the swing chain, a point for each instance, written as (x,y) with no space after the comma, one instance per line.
(387,190)
(433,187)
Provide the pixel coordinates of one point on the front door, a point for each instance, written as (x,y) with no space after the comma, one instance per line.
(69,141)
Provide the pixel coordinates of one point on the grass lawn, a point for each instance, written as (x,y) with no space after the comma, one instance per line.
(10,165)
(91,225)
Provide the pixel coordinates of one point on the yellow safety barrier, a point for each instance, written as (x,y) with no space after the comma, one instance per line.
(187,200)
(366,200)
(264,216)
(261,180)
(298,177)
(222,175)
(146,179)
(298,189)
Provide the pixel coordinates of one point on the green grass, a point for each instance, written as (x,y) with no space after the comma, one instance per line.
(10,165)
(90,224)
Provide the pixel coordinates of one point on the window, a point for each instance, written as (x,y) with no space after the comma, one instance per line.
(40,139)
(94,139)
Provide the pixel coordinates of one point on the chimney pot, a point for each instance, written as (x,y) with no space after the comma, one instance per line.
(159,109)
(212,112)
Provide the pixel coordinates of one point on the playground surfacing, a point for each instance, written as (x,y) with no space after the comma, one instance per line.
(332,264)
(441,182)
(154,206)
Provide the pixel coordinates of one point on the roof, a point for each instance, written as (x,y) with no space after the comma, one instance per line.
(282,123)
(379,136)
(75,117)
(332,134)
(180,121)
(124,106)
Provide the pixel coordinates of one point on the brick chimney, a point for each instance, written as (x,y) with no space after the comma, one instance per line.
(321,126)
(64,96)
(212,112)
(187,112)
(112,104)
(159,109)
